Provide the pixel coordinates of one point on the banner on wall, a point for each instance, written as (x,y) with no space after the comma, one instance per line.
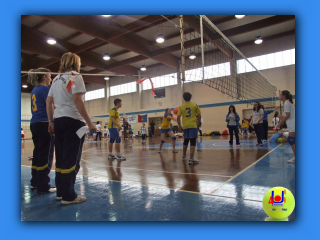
(106,120)
(142,118)
(121,119)
(132,119)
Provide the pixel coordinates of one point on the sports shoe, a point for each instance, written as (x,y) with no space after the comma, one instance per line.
(33,187)
(58,198)
(238,145)
(184,157)
(293,160)
(77,200)
(174,151)
(111,156)
(119,157)
(193,161)
(51,190)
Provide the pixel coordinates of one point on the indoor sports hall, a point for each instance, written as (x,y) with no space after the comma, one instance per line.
(149,62)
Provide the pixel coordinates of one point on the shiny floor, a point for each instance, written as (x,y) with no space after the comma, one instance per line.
(227,185)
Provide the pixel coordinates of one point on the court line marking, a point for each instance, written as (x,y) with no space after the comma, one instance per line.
(156,170)
(229,180)
(155,185)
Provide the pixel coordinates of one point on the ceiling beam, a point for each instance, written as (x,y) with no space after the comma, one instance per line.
(72,36)
(101,31)
(24,17)
(40,25)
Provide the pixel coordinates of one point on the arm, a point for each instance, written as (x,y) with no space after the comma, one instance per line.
(262,116)
(50,108)
(179,121)
(284,118)
(227,118)
(77,99)
(199,119)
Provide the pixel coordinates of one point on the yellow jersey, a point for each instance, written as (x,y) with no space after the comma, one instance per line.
(166,122)
(114,112)
(189,112)
(245,124)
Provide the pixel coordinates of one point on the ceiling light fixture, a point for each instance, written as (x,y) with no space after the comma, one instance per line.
(106,78)
(192,56)
(106,15)
(106,56)
(25,86)
(51,40)
(143,68)
(239,16)
(160,38)
(258,40)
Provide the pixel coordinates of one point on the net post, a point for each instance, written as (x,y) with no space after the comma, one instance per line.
(183,64)
(202,48)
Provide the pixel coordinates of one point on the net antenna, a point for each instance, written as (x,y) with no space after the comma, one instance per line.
(209,57)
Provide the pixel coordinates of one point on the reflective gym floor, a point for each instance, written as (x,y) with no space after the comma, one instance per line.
(227,185)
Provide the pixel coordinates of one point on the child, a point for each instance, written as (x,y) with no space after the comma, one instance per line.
(165,129)
(130,131)
(190,112)
(143,133)
(114,128)
(245,127)
(106,133)
(275,121)
(22,134)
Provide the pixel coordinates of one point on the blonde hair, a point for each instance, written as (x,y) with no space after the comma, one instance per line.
(36,78)
(70,62)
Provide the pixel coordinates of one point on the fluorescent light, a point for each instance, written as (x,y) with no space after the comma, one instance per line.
(106,15)
(239,16)
(160,38)
(25,86)
(258,40)
(51,41)
(192,56)
(106,78)
(143,68)
(106,56)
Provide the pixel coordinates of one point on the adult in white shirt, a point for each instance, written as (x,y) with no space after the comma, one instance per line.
(289,117)
(98,127)
(257,122)
(67,92)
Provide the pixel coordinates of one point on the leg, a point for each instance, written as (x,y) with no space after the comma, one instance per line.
(236,132)
(265,129)
(59,139)
(35,134)
(231,129)
(260,132)
(163,136)
(185,147)
(291,141)
(173,140)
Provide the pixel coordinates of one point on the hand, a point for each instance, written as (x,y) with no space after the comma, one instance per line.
(180,129)
(51,128)
(280,116)
(92,128)
(119,128)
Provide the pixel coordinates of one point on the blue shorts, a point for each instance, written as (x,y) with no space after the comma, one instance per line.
(105,134)
(114,133)
(190,133)
(90,134)
(165,130)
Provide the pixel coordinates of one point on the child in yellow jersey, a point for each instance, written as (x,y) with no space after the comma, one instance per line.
(165,128)
(245,126)
(114,128)
(191,118)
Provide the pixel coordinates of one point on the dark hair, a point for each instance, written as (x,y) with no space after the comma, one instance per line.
(276,114)
(234,109)
(36,78)
(21,128)
(288,95)
(262,107)
(259,107)
(166,110)
(98,122)
(116,101)
(187,96)
(105,126)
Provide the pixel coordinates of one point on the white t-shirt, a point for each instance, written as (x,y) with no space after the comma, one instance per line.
(289,107)
(106,130)
(257,115)
(22,132)
(98,127)
(63,101)
(143,130)
(275,121)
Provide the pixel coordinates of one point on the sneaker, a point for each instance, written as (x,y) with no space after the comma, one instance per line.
(293,160)
(119,157)
(193,161)
(77,200)
(33,187)
(174,151)
(111,156)
(58,198)
(238,145)
(51,190)
(184,157)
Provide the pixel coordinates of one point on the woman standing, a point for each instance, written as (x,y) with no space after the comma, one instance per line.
(42,159)
(165,128)
(265,123)
(257,122)
(67,93)
(289,117)
(232,120)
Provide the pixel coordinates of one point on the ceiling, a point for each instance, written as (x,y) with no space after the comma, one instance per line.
(129,40)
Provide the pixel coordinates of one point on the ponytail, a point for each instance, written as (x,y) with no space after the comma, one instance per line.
(288,95)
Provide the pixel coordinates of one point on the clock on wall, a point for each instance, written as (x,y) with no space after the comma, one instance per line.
(159,103)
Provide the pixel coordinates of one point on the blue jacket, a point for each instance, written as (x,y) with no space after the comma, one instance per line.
(266,112)
(237,119)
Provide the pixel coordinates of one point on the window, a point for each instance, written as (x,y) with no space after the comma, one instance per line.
(123,89)
(91,95)
(272,60)
(161,81)
(213,71)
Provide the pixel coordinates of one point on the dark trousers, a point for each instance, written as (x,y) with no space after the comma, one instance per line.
(236,132)
(258,128)
(125,132)
(265,129)
(98,135)
(152,131)
(42,156)
(68,155)
(200,132)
